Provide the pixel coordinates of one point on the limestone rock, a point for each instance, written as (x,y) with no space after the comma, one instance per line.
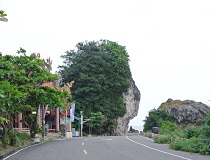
(186,112)
(132,100)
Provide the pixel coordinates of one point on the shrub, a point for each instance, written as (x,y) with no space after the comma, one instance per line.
(206,131)
(188,145)
(204,149)
(39,130)
(148,134)
(167,127)
(192,131)
(156,116)
(21,138)
(162,139)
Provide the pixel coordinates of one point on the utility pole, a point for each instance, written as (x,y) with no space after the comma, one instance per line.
(81,112)
(43,121)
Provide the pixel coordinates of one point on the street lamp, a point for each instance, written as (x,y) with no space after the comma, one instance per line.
(81,113)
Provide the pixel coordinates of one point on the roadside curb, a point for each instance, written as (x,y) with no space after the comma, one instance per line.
(10,152)
(7,153)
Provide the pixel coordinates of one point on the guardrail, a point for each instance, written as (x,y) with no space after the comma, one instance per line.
(22,129)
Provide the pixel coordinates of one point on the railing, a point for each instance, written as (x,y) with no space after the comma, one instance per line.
(22,129)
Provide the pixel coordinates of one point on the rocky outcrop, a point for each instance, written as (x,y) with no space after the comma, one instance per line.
(132,100)
(186,112)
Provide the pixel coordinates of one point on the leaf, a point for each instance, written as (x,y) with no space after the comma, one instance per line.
(3,109)
(2,96)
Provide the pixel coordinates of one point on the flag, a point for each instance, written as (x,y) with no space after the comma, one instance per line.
(72,112)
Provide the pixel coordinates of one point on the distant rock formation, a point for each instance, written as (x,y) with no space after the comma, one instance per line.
(132,100)
(132,130)
(186,112)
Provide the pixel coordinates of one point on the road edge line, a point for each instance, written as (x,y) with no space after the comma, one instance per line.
(22,150)
(157,149)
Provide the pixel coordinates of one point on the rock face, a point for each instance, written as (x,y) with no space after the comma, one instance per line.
(186,112)
(132,100)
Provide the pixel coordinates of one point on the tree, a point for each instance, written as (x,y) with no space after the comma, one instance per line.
(98,120)
(3,16)
(101,73)
(21,78)
(155,118)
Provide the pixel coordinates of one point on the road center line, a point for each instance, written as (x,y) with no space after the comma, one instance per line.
(82,144)
(157,149)
(85,151)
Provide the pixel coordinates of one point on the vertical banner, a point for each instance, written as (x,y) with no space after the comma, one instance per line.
(46,110)
(72,112)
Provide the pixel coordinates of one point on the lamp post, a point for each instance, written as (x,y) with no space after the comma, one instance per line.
(81,112)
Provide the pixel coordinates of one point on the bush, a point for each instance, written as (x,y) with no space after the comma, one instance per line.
(205,149)
(156,116)
(167,127)
(195,145)
(148,134)
(39,130)
(206,131)
(188,145)
(192,131)
(162,139)
(21,138)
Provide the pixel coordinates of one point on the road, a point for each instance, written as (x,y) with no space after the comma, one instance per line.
(103,148)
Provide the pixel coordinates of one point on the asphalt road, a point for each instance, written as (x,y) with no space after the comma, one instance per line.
(103,148)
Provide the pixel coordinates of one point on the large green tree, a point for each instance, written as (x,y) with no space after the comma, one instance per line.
(21,91)
(101,73)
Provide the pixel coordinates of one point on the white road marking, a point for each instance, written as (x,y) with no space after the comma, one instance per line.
(107,139)
(85,151)
(157,149)
(148,138)
(82,144)
(21,150)
(60,139)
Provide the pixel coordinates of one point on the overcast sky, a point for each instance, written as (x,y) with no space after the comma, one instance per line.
(168,41)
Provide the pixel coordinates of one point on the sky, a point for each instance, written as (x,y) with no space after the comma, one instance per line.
(168,41)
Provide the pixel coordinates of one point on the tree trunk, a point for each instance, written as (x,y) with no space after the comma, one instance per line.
(12,135)
(34,125)
(4,133)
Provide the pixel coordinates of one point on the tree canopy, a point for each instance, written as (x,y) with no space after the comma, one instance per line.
(3,16)
(21,90)
(101,73)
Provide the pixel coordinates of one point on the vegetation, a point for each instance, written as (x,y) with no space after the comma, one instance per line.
(21,139)
(3,16)
(171,102)
(21,78)
(155,118)
(194,139)
(101,73)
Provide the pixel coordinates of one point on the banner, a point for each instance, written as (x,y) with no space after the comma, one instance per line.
(72,112)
